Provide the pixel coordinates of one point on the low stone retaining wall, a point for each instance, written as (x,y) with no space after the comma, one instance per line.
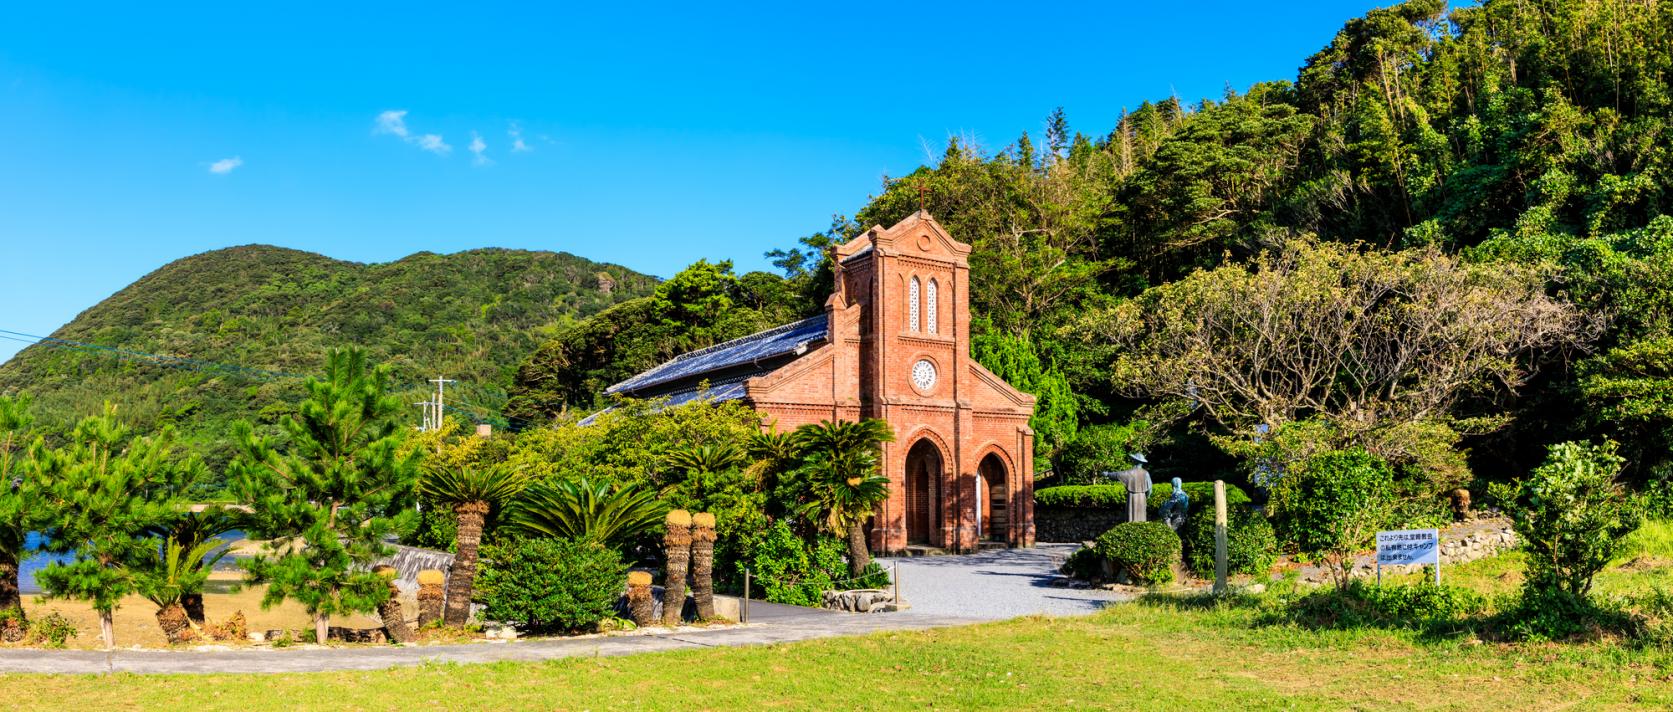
(1065,525)
(864,600)
(1465,542)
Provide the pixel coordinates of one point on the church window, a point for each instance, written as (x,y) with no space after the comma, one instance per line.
(912,305)
(931,307)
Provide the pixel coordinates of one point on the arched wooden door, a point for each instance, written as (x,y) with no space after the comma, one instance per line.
(923,474)
(996,498)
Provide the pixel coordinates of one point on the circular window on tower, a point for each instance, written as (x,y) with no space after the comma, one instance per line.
(923,375)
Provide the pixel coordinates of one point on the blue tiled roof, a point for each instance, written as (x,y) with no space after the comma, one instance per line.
(721,363)
(713,393)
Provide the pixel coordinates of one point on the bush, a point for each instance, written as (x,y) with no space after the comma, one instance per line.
(550,584)
(1545,615)
(52,630)
(1251,546)
(1147,551)
(1083,564)
(1333,505)
(1083,496)
(1362,604)
(787,569)
(1571,516)
(1115,496)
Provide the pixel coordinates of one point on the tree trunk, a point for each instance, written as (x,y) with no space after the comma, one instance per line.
(10,596)
(461,578)
(175,623)
(640,603)
(322,628)
(107,629)
(193,603)
(394,620)
(702,569)
(859,555)
(676,545)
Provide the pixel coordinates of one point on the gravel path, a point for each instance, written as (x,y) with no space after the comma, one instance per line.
(995,585)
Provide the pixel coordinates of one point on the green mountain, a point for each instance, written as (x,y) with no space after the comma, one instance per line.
(245,325)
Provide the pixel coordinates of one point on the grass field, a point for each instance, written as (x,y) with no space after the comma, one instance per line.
(1160,654)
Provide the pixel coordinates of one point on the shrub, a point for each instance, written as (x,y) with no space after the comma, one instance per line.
(557,584)
(1083,564)
(1083,496)
(788,569)
(1333,505)
(1115,496)
(1251,546)
(1571,515)
(1147,551)
(52,630)
(1549,614)
(1362,604)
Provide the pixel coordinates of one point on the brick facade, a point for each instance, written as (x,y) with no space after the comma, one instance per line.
(961,466)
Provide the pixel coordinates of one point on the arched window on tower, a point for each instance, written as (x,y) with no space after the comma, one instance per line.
(912,305)
(931,307)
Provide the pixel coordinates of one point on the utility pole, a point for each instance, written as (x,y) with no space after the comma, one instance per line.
(440,404)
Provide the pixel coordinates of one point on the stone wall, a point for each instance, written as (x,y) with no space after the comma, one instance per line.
(1073,524)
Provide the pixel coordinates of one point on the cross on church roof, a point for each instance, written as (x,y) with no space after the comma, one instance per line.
(923,188)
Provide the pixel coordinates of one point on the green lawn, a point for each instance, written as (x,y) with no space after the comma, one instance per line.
(1142,656)
(1162,654)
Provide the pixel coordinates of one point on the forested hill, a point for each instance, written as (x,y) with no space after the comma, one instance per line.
(470,316)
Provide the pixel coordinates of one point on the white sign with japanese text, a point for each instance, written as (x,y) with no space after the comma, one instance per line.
(1409,546)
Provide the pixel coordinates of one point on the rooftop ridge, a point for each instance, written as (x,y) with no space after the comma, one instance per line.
(647,377)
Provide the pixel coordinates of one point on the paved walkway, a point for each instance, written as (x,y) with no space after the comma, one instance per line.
(944,591)
(995,585)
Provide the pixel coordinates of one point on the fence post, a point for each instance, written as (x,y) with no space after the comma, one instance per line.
(896,579)
(743,606)
(1219,536)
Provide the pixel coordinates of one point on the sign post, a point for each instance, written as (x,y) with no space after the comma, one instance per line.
(1409,546)
(1219,536)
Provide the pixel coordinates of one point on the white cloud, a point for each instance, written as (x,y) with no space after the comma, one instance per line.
(394,123)
(517,144)
(478,147)
(225,165)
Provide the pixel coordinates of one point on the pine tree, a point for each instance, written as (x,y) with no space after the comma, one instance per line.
(331,496)
(15,500)
(99,494)
(1057,134)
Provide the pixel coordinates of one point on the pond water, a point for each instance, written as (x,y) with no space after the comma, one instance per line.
(37,560)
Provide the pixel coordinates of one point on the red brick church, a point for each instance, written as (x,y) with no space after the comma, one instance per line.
(893,343)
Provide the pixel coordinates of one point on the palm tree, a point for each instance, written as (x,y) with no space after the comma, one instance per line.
(472,492)
(774,453)
(171,571)
(698,460)
(610,515)
(842,461)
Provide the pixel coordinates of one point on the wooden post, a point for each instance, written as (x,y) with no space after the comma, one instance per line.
(1219,536)
(743,612)
(897,583)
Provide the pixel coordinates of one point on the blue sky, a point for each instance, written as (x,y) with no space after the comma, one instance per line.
(651,135)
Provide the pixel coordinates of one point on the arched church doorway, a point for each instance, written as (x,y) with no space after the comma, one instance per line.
(995,498)
(923,474)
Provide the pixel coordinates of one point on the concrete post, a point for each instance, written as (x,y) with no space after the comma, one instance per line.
(1219,536)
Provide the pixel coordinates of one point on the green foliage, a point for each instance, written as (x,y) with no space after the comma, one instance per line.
(99,494)
(1333,505)
(598,512)
(1115,496)
(1097,449)
(1015,358)
(550,584)
(174,570)
(1547,614)
(1571,516)
(471,315)
(53,630)
(1147,551)
(1084,564)
(788,569)
(1363,604)
(1251,546)
(17,496)
(329,498)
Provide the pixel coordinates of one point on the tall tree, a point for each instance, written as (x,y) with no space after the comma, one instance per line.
(472,492)
(842,461)
(330,496)
(99,495)
(16,431)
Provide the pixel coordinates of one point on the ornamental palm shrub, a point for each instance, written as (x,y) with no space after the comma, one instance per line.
(471,491)
(676,551)
(1332,506)
(98,494)
(550,584)
(613,515)
(1571,515)
(331,497)
(1147,551)
(703,563)
(166,574)
(16,500)
(198,527)
(842,463)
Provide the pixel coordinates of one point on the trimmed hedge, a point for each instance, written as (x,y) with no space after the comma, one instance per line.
(1115,496)
(1251,546)
(1147,551)
(550,584)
